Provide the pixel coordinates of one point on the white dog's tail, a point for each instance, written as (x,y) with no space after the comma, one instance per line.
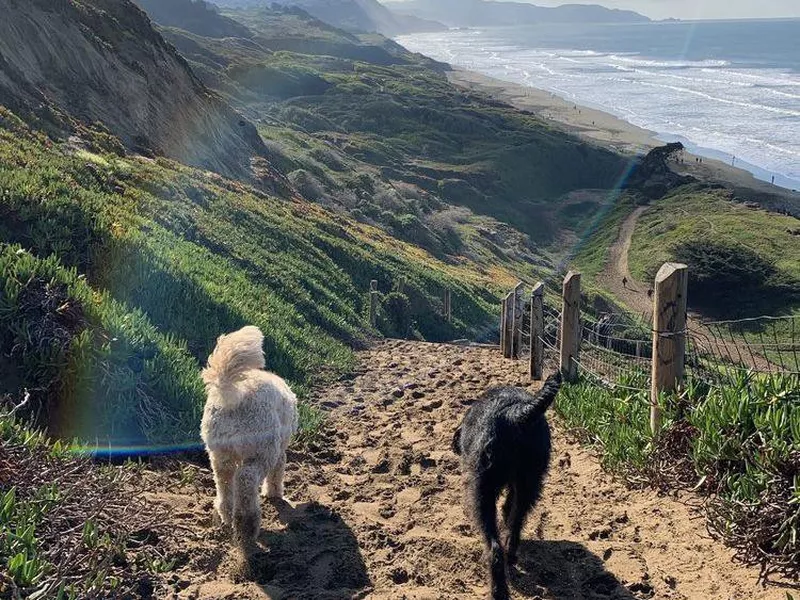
(235,354)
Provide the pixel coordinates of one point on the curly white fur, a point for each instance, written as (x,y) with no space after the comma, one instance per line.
(248,421)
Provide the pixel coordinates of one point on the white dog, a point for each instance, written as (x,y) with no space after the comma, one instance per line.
(248,422)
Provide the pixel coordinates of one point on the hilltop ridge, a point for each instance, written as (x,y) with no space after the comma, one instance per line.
(363,16)
(488,13)
(197,16)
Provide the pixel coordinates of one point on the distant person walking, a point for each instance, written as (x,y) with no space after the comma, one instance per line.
(625,282)
(773,180)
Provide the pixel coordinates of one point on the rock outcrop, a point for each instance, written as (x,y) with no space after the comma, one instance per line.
(652,175)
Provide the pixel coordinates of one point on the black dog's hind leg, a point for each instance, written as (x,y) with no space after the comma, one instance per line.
(524,494)
(486,493)
(509,516)
(508,504)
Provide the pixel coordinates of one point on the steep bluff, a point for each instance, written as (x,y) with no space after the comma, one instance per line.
(102,61)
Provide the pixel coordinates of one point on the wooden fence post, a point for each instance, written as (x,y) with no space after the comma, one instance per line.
(503,325)
(510,316)
(373,302)
(537,331)
(508,325)
(570,325)
(519,313)
(669,334)
(512,322)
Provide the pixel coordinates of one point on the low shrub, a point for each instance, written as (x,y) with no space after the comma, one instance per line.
(738,444)
(69,528)
(395,315)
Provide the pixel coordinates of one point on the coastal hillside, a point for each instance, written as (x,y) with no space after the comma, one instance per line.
(67,64)
(134,267)
(489,13)
(377,167)
(351,15)
(336,107)
(133,263)
(731,243)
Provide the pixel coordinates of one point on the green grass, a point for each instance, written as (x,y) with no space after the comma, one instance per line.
(22,512)
(737,443)
(618,421)
(154,260)
(90,363)
(743,261)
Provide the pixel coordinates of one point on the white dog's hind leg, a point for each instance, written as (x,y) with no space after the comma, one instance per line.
(273,484)
(247,509)
(224,467)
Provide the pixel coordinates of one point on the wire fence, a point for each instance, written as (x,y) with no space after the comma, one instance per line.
(616,349)
(721,350)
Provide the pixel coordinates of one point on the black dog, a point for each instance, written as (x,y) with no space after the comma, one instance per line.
(504,442)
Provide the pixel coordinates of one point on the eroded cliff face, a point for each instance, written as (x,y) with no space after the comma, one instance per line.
(102,61)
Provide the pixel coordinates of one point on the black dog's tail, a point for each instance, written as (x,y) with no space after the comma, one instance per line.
(544,397)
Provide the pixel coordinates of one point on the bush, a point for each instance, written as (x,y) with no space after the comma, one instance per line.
(717,268)
(747,450)
(279,82)
(446,225)
(395,315)
(308,185)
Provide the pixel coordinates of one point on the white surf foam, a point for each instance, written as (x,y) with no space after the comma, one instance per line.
(750,113)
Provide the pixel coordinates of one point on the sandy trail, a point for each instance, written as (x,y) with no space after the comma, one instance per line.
(633,294)
(375,509)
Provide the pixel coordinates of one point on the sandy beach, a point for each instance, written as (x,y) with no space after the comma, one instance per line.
(612,132)
(586,122)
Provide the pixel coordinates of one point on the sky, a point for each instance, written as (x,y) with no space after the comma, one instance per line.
(697,9)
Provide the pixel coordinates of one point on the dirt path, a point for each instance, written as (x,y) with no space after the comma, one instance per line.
(375,510)
(633,294)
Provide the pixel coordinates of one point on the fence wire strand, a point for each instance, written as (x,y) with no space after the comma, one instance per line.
(616,349)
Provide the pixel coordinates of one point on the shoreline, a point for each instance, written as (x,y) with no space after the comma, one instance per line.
(586,122)
(612,132)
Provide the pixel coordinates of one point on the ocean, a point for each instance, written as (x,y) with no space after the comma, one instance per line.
(726,89)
